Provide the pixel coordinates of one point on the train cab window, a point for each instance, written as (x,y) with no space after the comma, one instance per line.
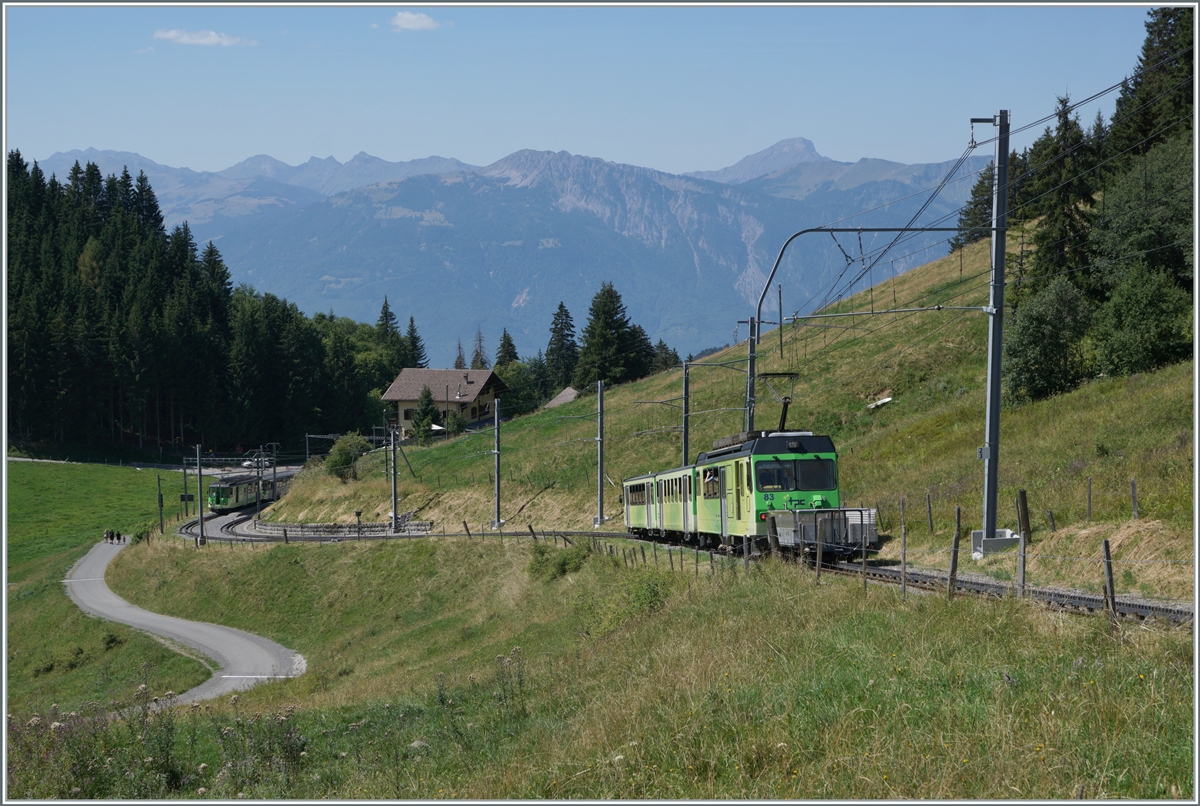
(776,476)
(712,486)
(637,495)
(817,474)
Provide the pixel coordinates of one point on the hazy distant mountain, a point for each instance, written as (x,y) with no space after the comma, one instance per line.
(328,176)
(216,203)
(501,246)
(782,155)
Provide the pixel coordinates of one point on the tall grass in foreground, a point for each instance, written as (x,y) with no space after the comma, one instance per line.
(645,683)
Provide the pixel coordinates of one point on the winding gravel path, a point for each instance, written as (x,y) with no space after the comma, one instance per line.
(242,659)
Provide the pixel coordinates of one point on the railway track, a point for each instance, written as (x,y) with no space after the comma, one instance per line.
(921,579)
(1056,598)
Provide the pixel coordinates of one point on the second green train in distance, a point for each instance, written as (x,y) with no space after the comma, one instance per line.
(754,490)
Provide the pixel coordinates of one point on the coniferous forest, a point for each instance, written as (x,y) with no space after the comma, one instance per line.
(1103,282)
(122,333)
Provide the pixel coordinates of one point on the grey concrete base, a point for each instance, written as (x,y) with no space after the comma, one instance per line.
(1004,539)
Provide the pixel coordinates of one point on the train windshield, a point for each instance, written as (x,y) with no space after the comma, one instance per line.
(776,476)
(802,474)
(817,474)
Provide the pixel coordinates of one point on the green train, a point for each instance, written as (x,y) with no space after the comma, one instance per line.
(776,488)
(235,492)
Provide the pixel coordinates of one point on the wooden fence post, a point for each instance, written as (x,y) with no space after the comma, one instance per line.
(1133,495)
(1021,567)
(654,548)
(903,554)
(1050,517)
(467,529)
(712,569)
(954,553)
(745,553)
(643,547)
(697,550)
(821,527)
(773,536)
(670,558)
(1023,526)
(929,512)
(864,564)
(1089,511)
(1110,593)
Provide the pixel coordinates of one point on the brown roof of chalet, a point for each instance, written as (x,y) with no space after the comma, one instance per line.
(465,384)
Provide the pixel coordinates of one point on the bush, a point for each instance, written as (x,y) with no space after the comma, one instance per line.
(1042,347)
(1146,324)
(548,563)
(342,458)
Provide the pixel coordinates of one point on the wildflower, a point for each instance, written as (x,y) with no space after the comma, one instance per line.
(56,726)
(201,791)
(342,754)
(203,768)
(34,722)
(303,754)
(633,744)
(233,700)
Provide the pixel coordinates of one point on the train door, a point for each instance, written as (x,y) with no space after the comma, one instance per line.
(658,498)
(737,485)
(649,503)
(724,505)
(685,501)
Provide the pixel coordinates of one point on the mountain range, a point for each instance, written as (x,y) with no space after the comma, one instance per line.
(461,247)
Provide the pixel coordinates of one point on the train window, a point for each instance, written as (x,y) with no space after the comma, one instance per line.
(817,474)
(777,476)
(637,494)
(712,486)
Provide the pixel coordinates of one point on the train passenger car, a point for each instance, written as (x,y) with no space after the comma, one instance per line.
(733,490)
(235,492)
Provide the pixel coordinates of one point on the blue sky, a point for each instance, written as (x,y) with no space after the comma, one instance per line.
(673,88)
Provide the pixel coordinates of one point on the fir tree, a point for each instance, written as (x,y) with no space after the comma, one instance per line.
(460,361)
(479,359)
(562,354)
(386,330)
(1062,180)
(605,339)
(977,212)
(426,416)
(506,353)
(416,347)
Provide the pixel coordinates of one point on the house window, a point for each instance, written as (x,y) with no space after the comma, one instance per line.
(409,414)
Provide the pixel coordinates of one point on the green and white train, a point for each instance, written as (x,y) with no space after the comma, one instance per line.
(774,488)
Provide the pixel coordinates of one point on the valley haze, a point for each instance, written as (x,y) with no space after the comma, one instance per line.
(461,247)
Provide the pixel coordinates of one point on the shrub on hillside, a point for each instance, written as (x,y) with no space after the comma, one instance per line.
(342,459)
(1144,325)
(548,563)
(1043,353)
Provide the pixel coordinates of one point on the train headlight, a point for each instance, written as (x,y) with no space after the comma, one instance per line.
(762,516)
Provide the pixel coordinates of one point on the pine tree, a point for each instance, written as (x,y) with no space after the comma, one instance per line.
(664,358)
(506,353)
(605,339)
(386,330)
(479,359)
(1156,103)
(416,347)
(562,354)
(460,361)
(1064,183)
(426,416)
(977,212)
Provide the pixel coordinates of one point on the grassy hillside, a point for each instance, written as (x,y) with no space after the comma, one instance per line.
(56,653)
(471,669)
(931,364)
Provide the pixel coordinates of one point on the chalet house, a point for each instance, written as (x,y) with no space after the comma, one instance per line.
(472,392)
